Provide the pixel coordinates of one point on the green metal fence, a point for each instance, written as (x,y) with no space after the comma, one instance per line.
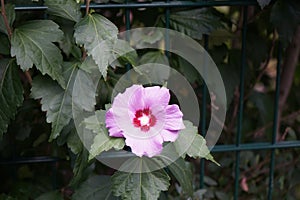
(236,148)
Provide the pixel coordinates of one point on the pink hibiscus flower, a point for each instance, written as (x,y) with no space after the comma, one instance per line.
(143,117)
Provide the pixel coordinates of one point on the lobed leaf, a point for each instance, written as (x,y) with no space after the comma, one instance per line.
(197,147)
(95,187)
(70,137)
(68,9)
(11,92)
(80,168)
(96,32)
(84,97)
(195,23)
(56,101)
(184,175)
(10,14)
(32,44)
(102,141)
(140,186)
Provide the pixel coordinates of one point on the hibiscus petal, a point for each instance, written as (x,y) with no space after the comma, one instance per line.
(112,126)
(156,96)
(136,100)
(150,147)
(173,118)
(169,136)
(120,110)
(121,101)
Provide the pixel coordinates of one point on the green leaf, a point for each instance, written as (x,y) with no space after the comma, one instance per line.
(96,33)
(11,92)
(121,50)
(70,137)
(89,65)
(95,187)
(140,186)
(84,91)
(154,73)
(184,175)
(102,141)
(67,44)
(53,195)
(80,168)
(4,45)
(74,142)
(263,3)
(195,22)
(67,9)
(31,43)
(220,36)
(56,100)
(154,57)
(197,148)
(142,40)
(10,14)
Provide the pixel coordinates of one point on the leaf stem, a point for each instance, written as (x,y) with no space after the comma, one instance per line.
(28,77)
(3,13)
(87,11)
(87,8)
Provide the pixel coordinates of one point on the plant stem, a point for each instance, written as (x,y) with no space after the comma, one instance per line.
(292,53)
(87,8)
(3,13)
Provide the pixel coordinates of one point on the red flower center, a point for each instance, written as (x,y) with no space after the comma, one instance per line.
(144,119)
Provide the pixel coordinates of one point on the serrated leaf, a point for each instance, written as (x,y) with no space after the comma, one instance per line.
(32,43)
(263,3)
(95,187)
(195,23)
(56,101)
(154,72)
(70,137)
(11,92)
(197,147)
(67,9)
(154,57)
(121,50)
(184,175)
(53,195)
(96,33)
(67,44)
(143,40)
(74,142)
(219,36)
(140,186)
(79,169)
(102,141)
(89,65)
(84,95)
(10,14)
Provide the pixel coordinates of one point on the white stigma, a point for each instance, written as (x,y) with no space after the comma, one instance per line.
(144,120)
